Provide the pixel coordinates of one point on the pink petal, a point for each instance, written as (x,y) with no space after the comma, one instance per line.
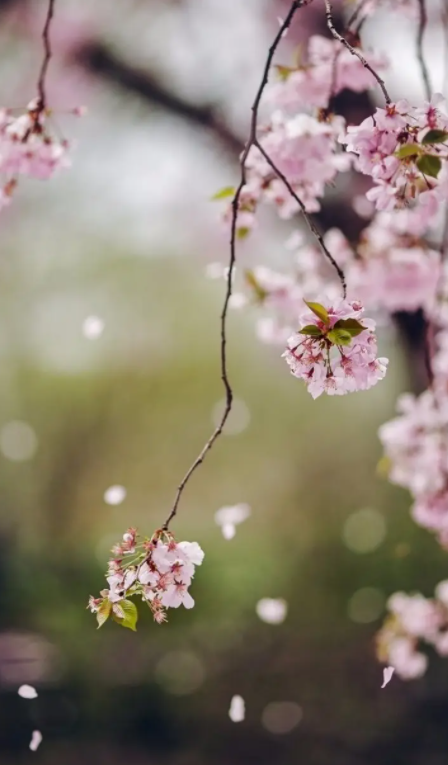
(387,675)
(36,739)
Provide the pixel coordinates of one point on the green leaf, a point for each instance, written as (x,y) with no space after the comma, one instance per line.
(429,165)
(225,193)
(130,614)
(384,466)
(339,337)
(284,71)
(251,281)
(408,150)
(352,326)
(103,612)
(435,136)
(319,311)
(311,330)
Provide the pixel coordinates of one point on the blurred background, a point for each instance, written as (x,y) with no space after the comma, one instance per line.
(109,376)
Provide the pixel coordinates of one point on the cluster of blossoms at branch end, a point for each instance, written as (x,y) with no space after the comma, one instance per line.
(414,621)
(158,570)
(333,351)
(30,147)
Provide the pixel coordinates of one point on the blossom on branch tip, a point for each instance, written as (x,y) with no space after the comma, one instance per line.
(29,146)
(413,620)
(334,351)
(405,150)
(160,573)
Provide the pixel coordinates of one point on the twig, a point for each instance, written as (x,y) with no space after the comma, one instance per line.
(252,141)
(47,55)
(307,217)
(353,51)
(421,59)
(358,10)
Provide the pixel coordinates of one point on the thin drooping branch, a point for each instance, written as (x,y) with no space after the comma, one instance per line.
(423,19)
(353,51)
(252,141)
(47,55)
(307,217)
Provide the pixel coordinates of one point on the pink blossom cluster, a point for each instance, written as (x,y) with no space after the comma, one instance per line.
(325,70)
(413,621)
(403,148)
(281,295)
(302,137)
(28,147)
(393,270)
(416,450)
(305,149)
(333,352)
(159,571)
(388,270)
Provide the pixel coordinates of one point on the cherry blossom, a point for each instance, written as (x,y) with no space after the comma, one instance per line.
(393,270)
(416,450)
(160,573)
(28,146)
(414,621)
(403,149)
(333,351)
(305,149)
(325,70)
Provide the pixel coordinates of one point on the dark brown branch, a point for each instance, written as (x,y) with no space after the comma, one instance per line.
(353,51)
(421,59)
(99,60)
(47,55)
(252,141)
(307,217)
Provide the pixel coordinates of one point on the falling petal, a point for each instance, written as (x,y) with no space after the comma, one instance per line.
(228,531)
(237,711)
(387,675)
(92,327)
(27,692)
(36,739)
(272,610)
(115,495)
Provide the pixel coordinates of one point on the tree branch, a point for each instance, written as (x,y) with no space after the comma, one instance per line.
(353,51)
(421,59)
(47,55)
(100,61)
(252,141)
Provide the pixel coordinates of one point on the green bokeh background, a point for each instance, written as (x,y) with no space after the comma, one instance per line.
(134,407)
